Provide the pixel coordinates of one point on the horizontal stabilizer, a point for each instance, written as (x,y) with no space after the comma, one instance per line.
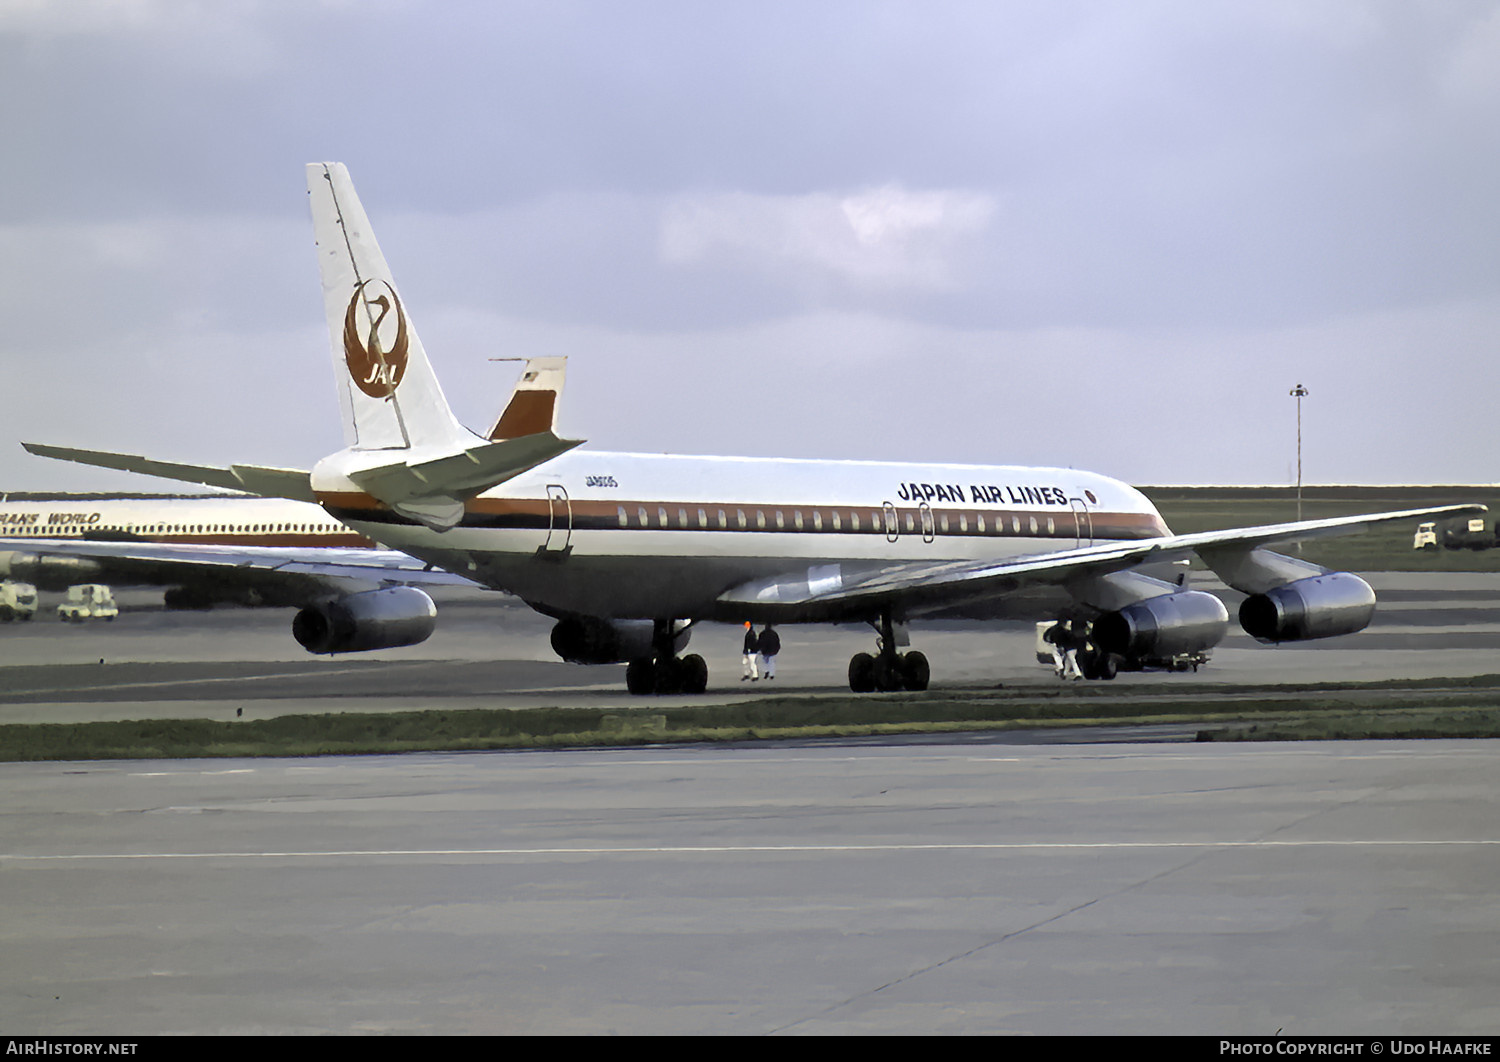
(464,474)
(433,491)
(253,479)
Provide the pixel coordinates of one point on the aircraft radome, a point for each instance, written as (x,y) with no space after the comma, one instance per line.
(628,551)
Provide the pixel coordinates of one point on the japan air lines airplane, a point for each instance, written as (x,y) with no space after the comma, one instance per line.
(627,551)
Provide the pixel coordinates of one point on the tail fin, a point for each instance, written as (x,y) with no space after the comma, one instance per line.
(390,397)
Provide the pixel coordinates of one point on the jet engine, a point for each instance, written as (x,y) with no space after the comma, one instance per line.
(1317,607)
(372,619)
(47,571)
(1163,627)
(590,640)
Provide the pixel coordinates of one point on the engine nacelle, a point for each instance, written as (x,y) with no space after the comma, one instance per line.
(48,571)
(589,640)
(372,619)
(1163,627)
(1320,606)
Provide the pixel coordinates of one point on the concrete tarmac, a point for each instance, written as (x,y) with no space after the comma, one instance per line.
(940,885)
(491,651)
(1338,888)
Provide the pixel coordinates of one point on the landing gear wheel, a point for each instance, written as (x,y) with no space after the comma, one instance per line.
(915,671)
(669,675)
(1106,668)
(862,673)
(694,673)
(640,677)
(887,674)
(644,677)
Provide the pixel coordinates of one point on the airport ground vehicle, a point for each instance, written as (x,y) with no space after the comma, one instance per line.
(88,601)
(1095,664)
(1471,534)
(17,601)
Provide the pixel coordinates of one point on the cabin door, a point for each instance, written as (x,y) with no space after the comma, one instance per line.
(1084,521)
(892,527)
(559,520)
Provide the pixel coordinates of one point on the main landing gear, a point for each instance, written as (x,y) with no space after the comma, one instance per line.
(888,670)
(664,671)
(1096,663)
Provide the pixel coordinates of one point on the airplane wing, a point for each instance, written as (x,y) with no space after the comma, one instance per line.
(255,479)
(839,591)
(295,575)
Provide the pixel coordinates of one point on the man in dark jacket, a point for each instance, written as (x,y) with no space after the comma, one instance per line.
(768,645)
(752,646)
(1066,639)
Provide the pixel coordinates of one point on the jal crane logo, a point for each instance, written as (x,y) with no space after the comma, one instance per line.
(376,358)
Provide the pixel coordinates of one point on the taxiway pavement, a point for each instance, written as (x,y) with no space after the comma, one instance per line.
(940,885)
(1329,888)
(490,651)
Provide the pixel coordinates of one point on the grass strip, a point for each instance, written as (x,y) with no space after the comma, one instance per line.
(1332,710)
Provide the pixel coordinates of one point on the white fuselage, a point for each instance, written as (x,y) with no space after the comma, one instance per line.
(202,520)
(658,536)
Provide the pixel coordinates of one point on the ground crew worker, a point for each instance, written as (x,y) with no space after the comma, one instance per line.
(1065,642)
(752,646)
(768,645)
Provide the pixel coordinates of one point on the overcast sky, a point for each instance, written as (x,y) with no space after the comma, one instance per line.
(1109,235)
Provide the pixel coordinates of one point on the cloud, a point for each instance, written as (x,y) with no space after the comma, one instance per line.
(877,238)
(205,38)
(977,231)
(1472,75)
(84,278)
